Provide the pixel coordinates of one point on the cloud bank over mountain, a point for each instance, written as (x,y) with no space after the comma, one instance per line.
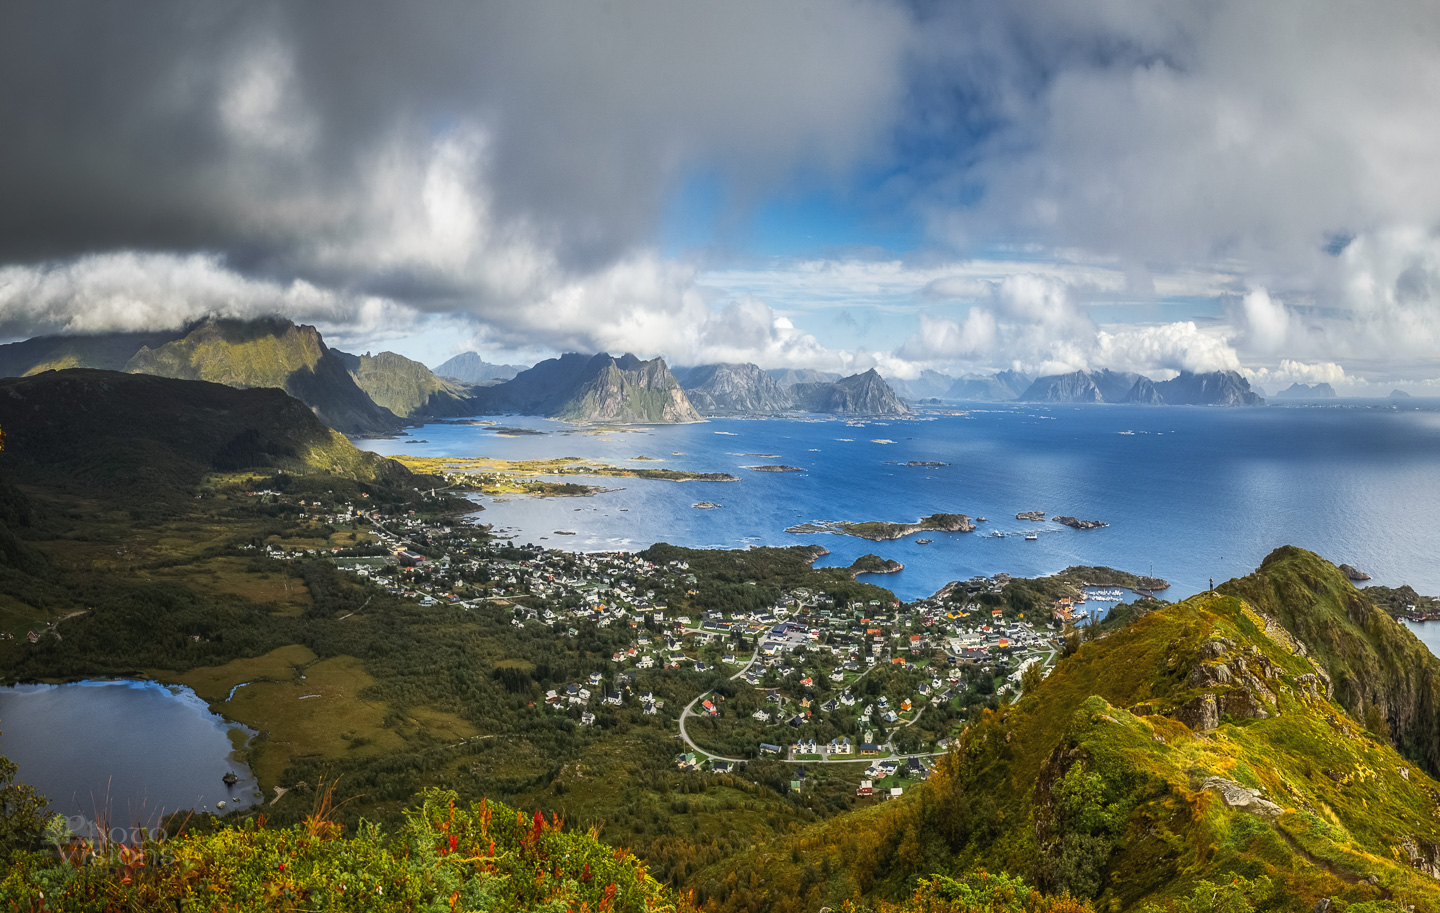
(1138,186)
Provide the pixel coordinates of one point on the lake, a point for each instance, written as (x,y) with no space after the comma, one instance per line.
(1189,493)
(122,752)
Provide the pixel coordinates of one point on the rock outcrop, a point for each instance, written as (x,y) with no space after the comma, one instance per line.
(1237,796)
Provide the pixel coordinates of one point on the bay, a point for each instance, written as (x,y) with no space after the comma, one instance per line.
(1189,493)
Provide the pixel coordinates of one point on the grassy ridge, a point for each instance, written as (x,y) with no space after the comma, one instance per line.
(1381,673)
(1095,784)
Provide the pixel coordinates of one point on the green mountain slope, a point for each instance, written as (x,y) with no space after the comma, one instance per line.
(598,388)
(135,437)
(107,351)
(270,353)
(632,391)
(1378,670)
(1194,745)
(405,387)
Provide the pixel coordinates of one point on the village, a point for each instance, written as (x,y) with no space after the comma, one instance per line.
(807,680)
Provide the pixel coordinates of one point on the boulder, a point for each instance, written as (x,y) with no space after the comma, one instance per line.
(1237,796)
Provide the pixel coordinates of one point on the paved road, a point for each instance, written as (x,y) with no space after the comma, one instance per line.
(689,708)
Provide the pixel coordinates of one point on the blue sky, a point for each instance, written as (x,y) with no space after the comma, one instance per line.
(963,187)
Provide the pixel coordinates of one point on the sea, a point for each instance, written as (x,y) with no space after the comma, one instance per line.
(1189,494)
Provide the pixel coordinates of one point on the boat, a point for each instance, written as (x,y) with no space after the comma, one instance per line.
(997,535)
(1031,537)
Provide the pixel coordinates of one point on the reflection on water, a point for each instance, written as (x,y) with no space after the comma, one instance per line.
(122,752)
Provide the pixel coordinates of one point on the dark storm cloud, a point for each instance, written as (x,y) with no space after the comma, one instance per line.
(248,127)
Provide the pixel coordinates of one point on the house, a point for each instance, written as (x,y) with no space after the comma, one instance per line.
(869,749)
(760,716)
(867,788)
(914,769)
(721,767)
(767,748)
(587,718)
(896,792)
(905,706)
(613,698)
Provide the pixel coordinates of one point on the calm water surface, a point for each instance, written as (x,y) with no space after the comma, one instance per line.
(1189,493)
(124,752)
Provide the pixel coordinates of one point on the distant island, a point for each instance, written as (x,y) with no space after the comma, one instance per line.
(880,531)
(874,564)
(1073,523)
(775,468)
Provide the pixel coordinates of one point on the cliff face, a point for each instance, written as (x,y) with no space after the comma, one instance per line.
(743,388)
(858,394)
(1144,392)
(629,390)
(598,388)
(407,388)
(1075,387)
(270,353)
(789,377)
(1214,388)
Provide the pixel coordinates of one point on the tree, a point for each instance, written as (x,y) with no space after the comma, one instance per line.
(1031,678)
(22,811)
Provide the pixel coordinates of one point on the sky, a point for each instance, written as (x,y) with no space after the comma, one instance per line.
(966,187)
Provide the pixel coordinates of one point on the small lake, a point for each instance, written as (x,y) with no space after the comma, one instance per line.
(125,752)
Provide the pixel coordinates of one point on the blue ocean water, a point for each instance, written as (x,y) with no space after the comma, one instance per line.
(1190,493)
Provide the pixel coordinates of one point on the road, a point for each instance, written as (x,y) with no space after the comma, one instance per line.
(690,707)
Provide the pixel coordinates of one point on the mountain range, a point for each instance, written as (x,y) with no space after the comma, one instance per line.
(737,389)
(1306,391)
(379,394)
(1214,388)
(470,368)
